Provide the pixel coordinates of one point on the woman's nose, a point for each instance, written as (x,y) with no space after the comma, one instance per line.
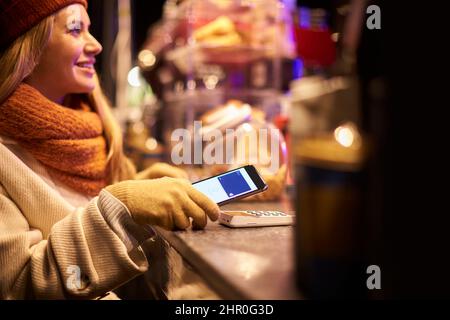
(93,46)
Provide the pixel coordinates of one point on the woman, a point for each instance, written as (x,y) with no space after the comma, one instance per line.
(71,216)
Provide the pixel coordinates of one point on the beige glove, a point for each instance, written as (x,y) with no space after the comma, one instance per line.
(165,202)
(159,170)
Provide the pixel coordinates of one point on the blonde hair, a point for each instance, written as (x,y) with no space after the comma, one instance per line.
(18,61)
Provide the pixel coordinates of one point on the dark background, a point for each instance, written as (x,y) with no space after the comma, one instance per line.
(103,15)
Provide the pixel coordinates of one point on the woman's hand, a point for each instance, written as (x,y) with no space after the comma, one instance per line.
(165,202)
(159,170)
(276,185)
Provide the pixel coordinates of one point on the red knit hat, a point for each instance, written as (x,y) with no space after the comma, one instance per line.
(18,16)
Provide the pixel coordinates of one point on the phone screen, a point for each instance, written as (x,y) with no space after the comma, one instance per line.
(227,186)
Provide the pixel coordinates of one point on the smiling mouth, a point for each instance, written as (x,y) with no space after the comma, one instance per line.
(85,65)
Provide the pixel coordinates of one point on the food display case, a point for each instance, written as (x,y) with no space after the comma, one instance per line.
(218,67)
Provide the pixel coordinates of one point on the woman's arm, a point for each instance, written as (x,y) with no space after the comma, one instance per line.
(82,257)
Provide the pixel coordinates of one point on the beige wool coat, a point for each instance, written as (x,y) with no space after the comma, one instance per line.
(78,256)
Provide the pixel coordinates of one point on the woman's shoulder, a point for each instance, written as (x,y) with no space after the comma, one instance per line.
(14,159)
(12,155)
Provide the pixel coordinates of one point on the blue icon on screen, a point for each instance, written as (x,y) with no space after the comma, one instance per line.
(234,183)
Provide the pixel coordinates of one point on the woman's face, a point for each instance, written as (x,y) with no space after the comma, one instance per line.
(67,63)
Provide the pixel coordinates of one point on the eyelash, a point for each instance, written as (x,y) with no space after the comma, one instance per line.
(76,31)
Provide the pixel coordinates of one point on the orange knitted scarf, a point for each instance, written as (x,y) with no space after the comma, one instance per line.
(69,142)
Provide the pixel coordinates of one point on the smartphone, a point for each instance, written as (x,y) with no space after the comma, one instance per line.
(232,185)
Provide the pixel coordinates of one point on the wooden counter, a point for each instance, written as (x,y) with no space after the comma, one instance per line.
(229,263)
